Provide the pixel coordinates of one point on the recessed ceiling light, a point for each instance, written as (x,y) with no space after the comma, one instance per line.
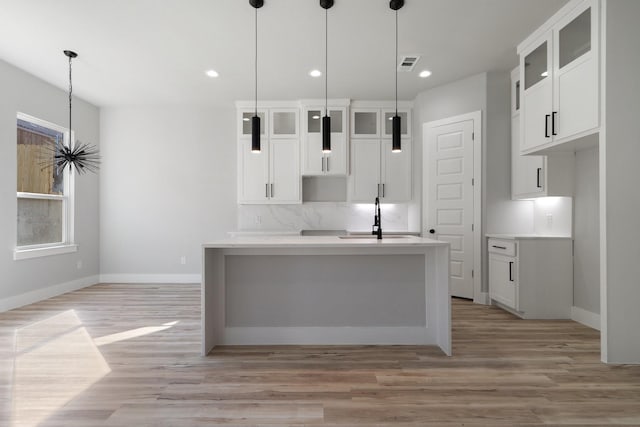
(245,119)
(315,117)
(315,73)
(212,73)
(544,74)
(425,73)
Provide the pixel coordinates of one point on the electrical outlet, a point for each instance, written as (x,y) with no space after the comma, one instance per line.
(549,220)
(258,219)
(183,260)
(79,264)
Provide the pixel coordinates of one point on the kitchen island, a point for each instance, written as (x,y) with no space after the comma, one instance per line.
(326,290)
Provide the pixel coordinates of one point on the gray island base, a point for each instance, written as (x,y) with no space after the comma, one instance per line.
(277,290)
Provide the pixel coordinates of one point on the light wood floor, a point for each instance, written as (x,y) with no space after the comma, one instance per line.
(127,355)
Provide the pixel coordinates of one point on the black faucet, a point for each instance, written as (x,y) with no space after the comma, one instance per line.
(377,220)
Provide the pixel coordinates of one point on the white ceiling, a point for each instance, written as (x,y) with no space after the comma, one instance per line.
(138,52)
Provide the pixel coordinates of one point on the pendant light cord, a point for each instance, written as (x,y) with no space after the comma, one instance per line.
(256,65)
(396,62)
(70,97)
(326,61)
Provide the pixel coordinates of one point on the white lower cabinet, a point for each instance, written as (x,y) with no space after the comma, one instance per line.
(532,277)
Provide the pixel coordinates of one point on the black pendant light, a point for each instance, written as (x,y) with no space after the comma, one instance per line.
(78,156)
(255,120)
(396,144)
(326,120)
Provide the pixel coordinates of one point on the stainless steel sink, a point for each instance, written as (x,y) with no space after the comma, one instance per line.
(372,237)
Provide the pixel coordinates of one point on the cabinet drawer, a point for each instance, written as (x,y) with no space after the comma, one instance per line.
(503,247)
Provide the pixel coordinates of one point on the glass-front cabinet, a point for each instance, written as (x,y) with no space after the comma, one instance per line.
(316,162)
(560,74)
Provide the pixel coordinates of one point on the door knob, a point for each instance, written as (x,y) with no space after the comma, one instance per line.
(432,231)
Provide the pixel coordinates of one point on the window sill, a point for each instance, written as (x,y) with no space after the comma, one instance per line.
(19,254)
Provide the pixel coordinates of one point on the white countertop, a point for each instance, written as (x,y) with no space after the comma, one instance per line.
(525,236)
(283,241)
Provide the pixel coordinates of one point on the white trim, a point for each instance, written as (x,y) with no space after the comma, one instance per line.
(479,297)
(27,252)
(408,335)
(49,292)
(602,160)
(585,317)
(150,278)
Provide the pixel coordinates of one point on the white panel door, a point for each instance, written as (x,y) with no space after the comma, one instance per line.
(450,198)
(284,185)
(253,173)
(365,170)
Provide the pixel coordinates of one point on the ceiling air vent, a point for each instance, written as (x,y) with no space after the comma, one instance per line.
(407,62)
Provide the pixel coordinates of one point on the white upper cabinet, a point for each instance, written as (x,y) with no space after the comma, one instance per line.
(530,175)
(560,78)
(314,161)
(375,170)
(272,175)
(395,172)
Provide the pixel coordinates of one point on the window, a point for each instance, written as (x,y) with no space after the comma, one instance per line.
(44,194)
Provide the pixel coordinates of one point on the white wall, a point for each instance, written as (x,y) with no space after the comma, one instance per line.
(620,176)
(552,216)
(586,237)
(168,184)
(25,281)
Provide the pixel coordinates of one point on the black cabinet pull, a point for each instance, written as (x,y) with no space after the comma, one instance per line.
(546,125)
(553,123)
(538,178)
(510,271)
(499,247)
(432,231)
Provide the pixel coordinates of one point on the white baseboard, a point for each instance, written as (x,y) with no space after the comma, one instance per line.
(585,317)
(483,298)
(373,335)
(27,298)
(150,278)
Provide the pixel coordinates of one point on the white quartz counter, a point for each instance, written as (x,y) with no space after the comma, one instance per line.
(286,241)
(525,236)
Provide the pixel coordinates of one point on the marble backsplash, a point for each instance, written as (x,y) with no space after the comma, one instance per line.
(321,216)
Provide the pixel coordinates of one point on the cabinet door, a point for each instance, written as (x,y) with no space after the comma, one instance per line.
(336,161)
(313,162)
(527,172)
(284,185)
(503,280)
(365,170)
(537,94)
(284,123)
(365,123)
(405,122)
(576,100)
(253,173)
(396,172)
